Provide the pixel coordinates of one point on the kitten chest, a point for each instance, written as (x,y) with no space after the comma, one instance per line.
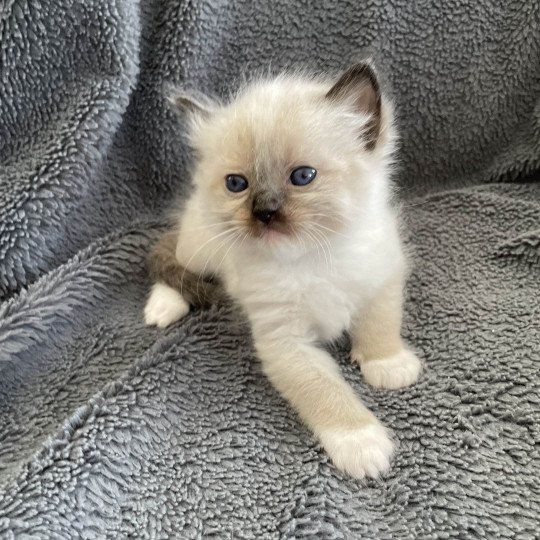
(307,300)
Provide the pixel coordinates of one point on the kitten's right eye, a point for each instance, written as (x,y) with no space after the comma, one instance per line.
(236,183)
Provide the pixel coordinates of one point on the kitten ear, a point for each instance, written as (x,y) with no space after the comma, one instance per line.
(359,87)
(193,103)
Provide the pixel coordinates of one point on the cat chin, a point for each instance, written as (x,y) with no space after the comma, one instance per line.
(278,244)
(274,237)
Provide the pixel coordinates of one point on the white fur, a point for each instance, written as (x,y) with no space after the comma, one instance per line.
(295,291)
(396,371)
(294,300)
(164,306)
(361,452)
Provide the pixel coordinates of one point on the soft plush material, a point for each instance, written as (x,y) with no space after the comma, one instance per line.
(111,429)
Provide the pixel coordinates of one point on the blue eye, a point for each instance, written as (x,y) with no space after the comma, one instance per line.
(302,176)
(236,183)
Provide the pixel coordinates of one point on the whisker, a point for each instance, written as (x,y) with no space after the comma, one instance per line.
(330,230)
(215,237)
(201,275)
(317,243)
(413,205)
(300,239)
(218,224)
(330,215)
(227,252)
(327,248)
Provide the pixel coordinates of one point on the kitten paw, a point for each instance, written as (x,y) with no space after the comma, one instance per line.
(359,452)
(164,306)
(401,369)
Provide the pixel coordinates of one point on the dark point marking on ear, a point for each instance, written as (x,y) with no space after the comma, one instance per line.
(359,86)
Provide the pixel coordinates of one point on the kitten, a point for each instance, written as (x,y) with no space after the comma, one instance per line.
(291,210)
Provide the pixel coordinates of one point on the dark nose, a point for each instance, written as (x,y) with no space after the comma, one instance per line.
(265,215)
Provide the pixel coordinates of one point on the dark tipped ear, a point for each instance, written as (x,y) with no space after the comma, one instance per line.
(359,87)
(193,103)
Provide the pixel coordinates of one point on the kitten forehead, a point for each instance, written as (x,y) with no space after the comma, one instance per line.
(279,123)
(275,109)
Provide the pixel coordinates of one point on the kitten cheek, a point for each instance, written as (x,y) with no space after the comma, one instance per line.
(241,215)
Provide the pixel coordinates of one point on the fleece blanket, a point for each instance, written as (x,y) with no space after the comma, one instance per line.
(109,429)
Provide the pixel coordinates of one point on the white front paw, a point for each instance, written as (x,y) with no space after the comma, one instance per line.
(164,306)
(360,452)
(401,369)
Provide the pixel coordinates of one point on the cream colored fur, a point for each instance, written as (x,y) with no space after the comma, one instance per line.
(342,269)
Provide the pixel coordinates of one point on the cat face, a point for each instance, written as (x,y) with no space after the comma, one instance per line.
(287,161)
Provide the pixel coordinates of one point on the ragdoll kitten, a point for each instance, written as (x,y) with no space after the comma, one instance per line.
(291,211)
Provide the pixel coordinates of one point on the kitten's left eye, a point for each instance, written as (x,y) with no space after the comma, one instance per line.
(236,183)
(302,176)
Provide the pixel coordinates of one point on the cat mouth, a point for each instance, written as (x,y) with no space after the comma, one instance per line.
(271,231)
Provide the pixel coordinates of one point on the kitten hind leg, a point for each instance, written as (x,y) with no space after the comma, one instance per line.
(376,341)
(175,287)
(195,288)
(310,380)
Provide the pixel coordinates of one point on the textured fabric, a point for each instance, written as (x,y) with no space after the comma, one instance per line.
(111,429)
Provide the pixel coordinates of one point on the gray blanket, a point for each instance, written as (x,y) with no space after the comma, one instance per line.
(110,429)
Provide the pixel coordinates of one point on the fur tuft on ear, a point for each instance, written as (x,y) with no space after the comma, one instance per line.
(188,101)
(195,107)
(359,87)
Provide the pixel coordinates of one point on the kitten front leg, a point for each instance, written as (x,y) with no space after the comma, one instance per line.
(309,379)
(376,340)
